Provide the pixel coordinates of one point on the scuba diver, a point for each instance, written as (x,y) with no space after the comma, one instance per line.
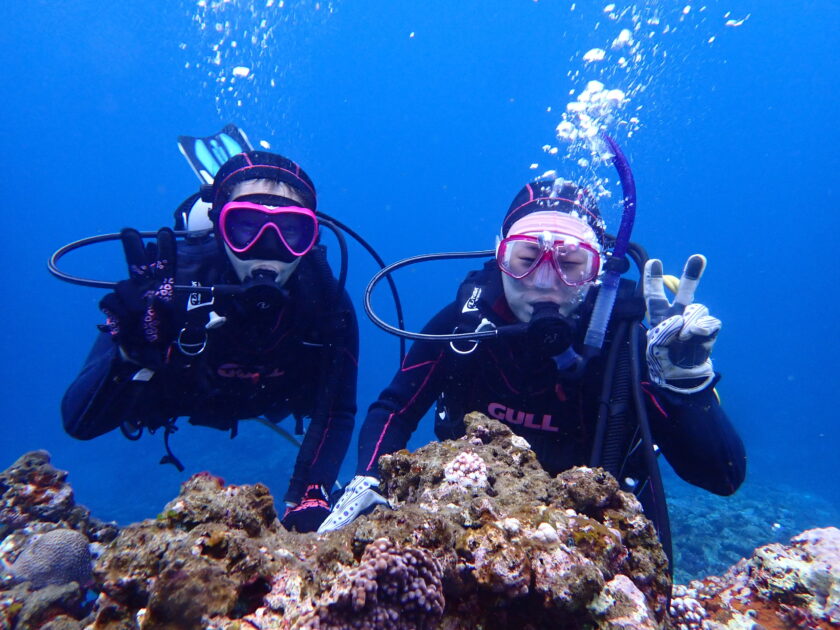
(243,318)
(521,343)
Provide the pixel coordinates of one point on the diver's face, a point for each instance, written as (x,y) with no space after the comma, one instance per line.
(245,268)
(543,285)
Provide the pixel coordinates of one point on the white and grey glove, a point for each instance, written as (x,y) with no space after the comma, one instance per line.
(360,497)
(682,333)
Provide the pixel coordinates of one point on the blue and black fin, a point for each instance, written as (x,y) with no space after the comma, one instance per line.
(206,155)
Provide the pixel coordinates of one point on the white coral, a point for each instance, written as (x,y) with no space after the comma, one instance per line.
(510,525)
(519,442)
(467,470)
(622,605)
(545,533)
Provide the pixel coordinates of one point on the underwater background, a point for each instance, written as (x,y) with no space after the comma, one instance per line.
(418,122)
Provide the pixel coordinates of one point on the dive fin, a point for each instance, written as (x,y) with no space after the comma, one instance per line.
(206,155)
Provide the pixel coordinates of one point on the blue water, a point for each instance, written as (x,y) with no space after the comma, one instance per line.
(419,142)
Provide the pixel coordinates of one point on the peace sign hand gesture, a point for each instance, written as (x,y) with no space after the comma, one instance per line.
(139,310)
(682,333)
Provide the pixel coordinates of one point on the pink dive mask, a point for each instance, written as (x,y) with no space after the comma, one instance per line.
(242,223)
(575,261)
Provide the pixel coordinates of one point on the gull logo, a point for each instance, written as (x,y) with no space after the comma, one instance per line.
(522,418)
(472,303)
(195,299)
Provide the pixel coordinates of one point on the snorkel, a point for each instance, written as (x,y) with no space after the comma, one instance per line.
(617,262)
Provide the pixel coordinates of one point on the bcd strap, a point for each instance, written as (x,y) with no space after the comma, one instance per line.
(475,295)
(632,308)
(198,265)
(198,311)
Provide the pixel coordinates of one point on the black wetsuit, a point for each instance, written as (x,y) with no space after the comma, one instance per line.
(507,380)
(303,354)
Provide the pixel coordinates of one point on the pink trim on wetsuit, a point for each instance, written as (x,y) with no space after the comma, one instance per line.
(417,365)
(324,436)
(502,372)
(653,399)
(353,358)
(406,406)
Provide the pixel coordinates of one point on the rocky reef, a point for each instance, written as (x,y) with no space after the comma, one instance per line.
(712,533)
(480,537)
(795,586)
(48,545)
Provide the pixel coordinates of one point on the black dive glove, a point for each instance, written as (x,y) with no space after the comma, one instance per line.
(307,515)
(139,311)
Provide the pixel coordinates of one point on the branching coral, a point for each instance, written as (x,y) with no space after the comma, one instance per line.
(392,588)
(467,470)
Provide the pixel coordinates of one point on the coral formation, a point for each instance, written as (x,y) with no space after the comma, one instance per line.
(32,490)
(47,547)
(480,536)
(711,533)
(56,557)
(467,470)
(205,555)
(795,586)
(392,587)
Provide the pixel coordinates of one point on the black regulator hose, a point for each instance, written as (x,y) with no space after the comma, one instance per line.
(611,427)
(375,255)
(406,334)
(330,222)
(52,263)
(342,248)
(660,506)
(604,425)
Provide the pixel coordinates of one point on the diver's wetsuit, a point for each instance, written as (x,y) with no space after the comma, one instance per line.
(273,367)
(507,380)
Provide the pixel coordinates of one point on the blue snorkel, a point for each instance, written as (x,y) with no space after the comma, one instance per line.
(617,262)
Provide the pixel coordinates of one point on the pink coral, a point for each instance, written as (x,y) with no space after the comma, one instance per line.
(467,470)
(392,588)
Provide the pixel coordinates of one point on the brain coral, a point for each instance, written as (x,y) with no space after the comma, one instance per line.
(57,557)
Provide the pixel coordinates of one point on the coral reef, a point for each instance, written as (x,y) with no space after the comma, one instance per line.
(391,587)
(56,557)
(711,533)
(32,490)
(47,549)
(795,586)
(480,537)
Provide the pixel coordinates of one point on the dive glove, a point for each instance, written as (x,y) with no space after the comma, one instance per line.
(360,497)
(307,515)
(682,333)
(139,310)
